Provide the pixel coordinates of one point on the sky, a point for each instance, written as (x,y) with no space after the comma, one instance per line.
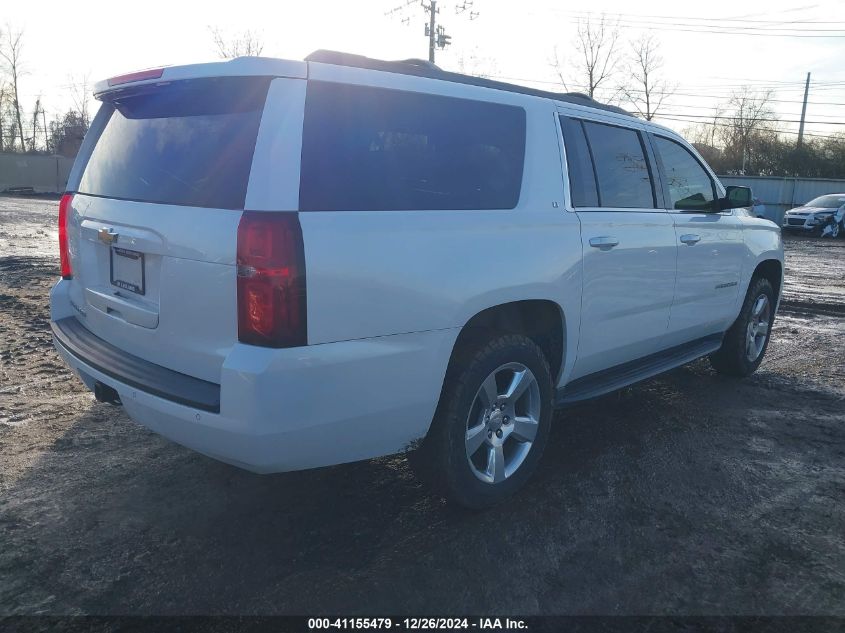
(710,49)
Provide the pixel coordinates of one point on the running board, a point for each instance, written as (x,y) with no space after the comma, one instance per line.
(608,380)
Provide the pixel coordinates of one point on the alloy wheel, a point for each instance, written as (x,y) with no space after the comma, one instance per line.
(758,327)
(503,422)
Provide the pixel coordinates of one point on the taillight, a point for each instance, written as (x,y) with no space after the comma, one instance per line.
(271,280)
(64,254)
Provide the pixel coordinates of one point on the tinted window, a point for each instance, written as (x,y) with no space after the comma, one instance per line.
(690,186)
(621,168)
(375,149)
(188,143)
(582,178)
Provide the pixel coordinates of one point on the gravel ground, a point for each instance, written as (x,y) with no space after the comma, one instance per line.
(687,494)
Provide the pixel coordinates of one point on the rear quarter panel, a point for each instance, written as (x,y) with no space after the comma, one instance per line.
(380,273)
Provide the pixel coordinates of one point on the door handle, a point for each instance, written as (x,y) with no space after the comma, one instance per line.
(690,239)
(604,242)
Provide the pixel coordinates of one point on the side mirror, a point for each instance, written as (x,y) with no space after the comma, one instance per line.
(736,197)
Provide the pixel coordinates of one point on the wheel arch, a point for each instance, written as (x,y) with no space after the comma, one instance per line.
(771,269)
(541,320)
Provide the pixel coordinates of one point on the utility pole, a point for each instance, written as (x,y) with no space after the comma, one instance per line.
(437,37)
(432,11)
(46,134)
(436,34)
(803,112)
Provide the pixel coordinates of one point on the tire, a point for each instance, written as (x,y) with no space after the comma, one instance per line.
(740,355)
(837,230)
(461,457)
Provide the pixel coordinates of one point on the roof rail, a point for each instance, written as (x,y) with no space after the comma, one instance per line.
(423,68)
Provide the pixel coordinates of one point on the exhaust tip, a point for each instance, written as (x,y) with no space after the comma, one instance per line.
(104,393)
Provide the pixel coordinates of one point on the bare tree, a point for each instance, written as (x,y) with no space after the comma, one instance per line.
(3,98)
(474,64)
(714,126)
(559,67)
(80,96)
(246,44)
(596,58)
(750,115)
(645,89)
(11,47)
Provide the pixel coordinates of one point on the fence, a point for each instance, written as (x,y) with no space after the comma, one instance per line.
(778,195)
(41,174)
(48,174)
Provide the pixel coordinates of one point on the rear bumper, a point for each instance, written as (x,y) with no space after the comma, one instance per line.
(74,339)
(291,409)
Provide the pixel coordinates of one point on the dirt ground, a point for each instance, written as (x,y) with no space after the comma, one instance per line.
(688,494)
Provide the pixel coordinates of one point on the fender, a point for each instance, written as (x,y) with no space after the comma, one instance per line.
(763,242)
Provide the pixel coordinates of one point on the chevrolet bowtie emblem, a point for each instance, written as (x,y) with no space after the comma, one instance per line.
(107,236)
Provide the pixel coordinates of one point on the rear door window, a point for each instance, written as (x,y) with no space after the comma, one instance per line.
(187,143)
(582,178)
(374,149)
(622,171)
(690,186)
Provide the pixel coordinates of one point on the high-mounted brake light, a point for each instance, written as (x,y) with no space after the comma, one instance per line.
(141,75)
(64,253)
(271,280)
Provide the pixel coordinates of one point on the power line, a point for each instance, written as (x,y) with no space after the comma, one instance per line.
(733,118)
(720,26)
(718,20)
(708,94)
(827,85)
(745,33)
(781,12)
(752,79)
(719,96)
(711,28)
(776,131)
(713,95)
(717,109)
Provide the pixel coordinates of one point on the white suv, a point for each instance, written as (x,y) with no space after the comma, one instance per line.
(287,264)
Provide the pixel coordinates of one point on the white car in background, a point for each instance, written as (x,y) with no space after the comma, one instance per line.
(291,264)
(816,214)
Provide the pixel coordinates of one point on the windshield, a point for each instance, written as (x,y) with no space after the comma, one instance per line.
(827,202)
(187,143)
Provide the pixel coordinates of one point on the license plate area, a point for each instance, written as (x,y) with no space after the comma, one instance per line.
(127,270)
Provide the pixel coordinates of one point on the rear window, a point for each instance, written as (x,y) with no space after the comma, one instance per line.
(187,143)
(375,149)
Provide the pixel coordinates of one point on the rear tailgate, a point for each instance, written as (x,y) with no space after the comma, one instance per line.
(153,223)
